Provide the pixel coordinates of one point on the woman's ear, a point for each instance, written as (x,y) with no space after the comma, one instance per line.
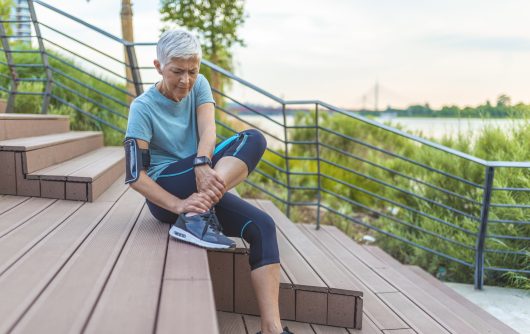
(157,66)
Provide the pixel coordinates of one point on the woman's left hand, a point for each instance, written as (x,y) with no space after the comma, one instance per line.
(209,182)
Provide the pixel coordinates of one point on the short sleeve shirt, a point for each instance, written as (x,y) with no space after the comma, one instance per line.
(169,127)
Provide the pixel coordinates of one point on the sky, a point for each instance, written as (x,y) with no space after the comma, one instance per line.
(437,52)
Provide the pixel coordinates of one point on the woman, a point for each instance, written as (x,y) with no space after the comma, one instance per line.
(172,160)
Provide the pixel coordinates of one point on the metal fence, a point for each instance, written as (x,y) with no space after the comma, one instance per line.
(345,167)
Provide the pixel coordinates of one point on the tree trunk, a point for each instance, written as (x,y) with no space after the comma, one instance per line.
(128,35)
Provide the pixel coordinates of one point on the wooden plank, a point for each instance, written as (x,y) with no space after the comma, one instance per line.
(383,256)
(321,329)
(433,307)
(139,270)
(254,325)
(75,191)
(187,278)
(53,154)
(115,191)
(357,250)
(97,168)
(12,219)
(368,327)
(37,142)
(27,278)
(187,306)
(68,300)
(99,185)
(8,181)
(472,313)
(8,202)
(337,280)
(52,189)
(399,331)
(28,127)
(231,323)
(414,316)
(25,187)
(221,266)
(352,264)
(14,245)
(60,172)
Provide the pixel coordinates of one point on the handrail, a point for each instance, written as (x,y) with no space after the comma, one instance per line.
(308,169)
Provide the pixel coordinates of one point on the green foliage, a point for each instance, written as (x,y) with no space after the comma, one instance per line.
(6,7)
(400,196)
(86,91)
(215,21)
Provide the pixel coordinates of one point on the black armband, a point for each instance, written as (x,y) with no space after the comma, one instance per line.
(136,159)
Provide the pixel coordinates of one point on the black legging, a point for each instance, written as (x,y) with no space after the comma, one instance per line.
(237,217)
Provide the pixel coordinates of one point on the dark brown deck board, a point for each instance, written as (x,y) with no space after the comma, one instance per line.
(27,278)
(186,278)
(254,325)
(15,244)
(475,314)
(12,219)
(336,280)
(231,323)
(71,296)
(412,314)
(129,301)
(385,317)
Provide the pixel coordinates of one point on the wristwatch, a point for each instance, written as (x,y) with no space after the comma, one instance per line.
(202,160)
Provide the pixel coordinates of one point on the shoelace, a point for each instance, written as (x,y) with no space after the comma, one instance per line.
(211,220)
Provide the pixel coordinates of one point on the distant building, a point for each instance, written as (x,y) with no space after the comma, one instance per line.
(22,29)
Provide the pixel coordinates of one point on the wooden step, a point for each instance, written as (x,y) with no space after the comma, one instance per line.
(43,151)
(341,304)
(83,178)
(27,125)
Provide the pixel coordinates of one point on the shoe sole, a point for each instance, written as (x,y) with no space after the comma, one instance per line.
(181,235)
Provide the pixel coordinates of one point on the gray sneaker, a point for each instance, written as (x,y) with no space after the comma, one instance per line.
(202,230)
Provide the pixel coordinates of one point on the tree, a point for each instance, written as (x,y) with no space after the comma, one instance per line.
(215,22)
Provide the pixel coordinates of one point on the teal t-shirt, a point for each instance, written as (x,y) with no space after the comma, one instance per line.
(170,127)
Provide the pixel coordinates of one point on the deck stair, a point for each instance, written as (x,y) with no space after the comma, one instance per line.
(110,267)
(40,157)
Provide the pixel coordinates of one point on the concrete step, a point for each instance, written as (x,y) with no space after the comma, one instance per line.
(14,126)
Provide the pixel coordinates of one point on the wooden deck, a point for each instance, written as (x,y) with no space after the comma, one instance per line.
(109,267)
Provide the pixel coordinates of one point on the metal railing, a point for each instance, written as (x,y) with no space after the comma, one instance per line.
(421,193)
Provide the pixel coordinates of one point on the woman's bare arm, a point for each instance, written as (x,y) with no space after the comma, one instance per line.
(162,198)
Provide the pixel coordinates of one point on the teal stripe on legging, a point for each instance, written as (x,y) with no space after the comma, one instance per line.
(225,143)
(244,226)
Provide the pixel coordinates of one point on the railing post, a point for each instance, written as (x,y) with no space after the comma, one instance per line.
(44,56)
(11,65)
(286,139)
(319,194)
(135,71)
(481,237)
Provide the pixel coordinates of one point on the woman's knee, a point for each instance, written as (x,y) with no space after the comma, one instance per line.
(257,139)
(261,235)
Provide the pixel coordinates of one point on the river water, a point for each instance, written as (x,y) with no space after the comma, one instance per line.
(428,128)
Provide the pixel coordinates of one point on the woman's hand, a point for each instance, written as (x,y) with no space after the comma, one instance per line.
(209,183)
(197,202)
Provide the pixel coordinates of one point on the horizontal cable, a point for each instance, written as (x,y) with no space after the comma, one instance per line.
(521,271)
(91,100)
(360,142)
(246,107)
(23,65)
(441,205)
(266,191)
(511,189)
(99,119)
(508,237)
(501,251)
(89,61)
(359,222)
(20,51)
(110,97)
(400,221)
(508,221)
(389,170)
(91,75)
(405,207)
(21,93)
(84,44)
(510,206)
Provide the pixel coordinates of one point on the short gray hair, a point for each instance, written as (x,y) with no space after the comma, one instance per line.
(178,43)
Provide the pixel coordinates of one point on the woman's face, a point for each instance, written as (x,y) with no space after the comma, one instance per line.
(178,77)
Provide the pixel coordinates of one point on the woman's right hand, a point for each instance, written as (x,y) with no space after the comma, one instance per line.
(197,202)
